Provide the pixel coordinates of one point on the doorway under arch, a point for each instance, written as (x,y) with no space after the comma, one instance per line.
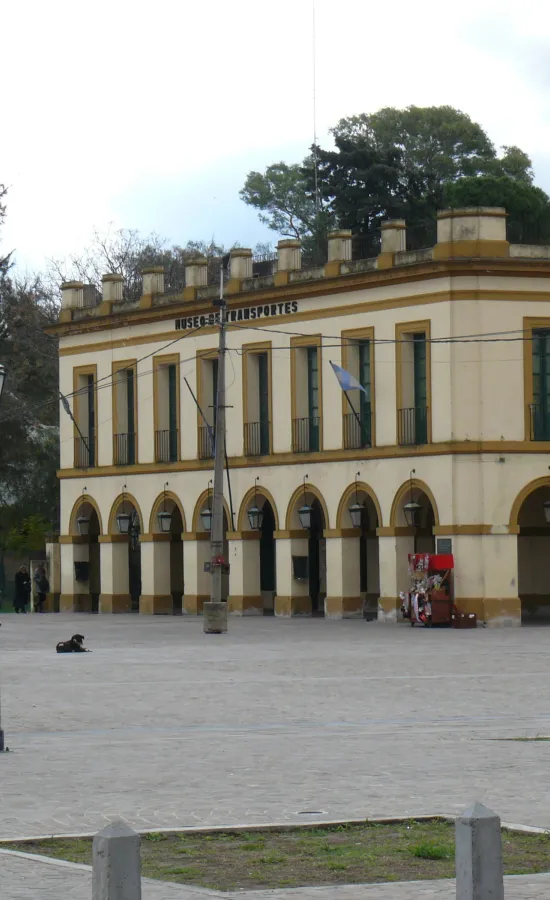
(127,506)
(87,575)
(533,543)
(417,538)
(260,555)
(367,565)
(309,552)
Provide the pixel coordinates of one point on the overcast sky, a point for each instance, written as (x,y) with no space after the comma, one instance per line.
(149,115)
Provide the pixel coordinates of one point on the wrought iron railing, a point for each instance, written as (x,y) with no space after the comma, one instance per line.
(306,434)
(166,445)
(206,442)
(264,264)
(358,429)
(540,422)
(412,425)
(365,246)
(256,438)
(84,451)
(124,449)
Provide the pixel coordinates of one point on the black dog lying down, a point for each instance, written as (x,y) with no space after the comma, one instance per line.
(72,646)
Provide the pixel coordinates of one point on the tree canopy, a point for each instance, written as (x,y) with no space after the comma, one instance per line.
(398,163)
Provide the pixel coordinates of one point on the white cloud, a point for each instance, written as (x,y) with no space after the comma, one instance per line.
(150,116)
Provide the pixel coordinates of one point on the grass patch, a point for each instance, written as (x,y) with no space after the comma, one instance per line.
(306,856)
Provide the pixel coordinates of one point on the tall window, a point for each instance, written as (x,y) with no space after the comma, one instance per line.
(166,410)
(412,387)
(540,408)
(306,394)
(256,402)
(207,381)
(85,417)
(124,414)
(358,412)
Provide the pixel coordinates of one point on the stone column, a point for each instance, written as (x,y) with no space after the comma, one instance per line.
(240,266)
(502,605)
(115,583)
(116,864)
(196,276)
(153,280)
(394,240)
(197,581)
(75,595)
(343,600)
(471,232)
(245,597)
(388,603)
(156,597)
(289,259)
(339,251)
(292,597)
(478,855)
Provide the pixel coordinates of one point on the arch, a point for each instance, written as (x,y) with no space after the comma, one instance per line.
(242,518)
(403,490)
(127,498)
(169,495)
(349,493)
(84,498)
(299,492)
(525,492)
(199,505)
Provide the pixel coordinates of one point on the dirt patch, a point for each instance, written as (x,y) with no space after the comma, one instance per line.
(347,854)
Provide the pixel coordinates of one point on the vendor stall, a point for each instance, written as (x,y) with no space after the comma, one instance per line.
(429,600)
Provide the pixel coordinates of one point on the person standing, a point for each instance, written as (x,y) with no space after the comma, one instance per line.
(42,587)
(22,590)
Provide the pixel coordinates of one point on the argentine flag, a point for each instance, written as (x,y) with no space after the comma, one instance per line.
(346,380)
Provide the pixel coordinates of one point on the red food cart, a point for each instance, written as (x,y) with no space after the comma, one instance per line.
(429,600)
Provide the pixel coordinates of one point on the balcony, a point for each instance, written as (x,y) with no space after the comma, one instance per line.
(166,446)
(124,449)
(358,429)
(306,434)
(84,452)
(540,422)
(206,442)
(412,426)
(256,438)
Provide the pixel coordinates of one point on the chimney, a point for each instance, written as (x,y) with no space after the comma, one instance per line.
(72,294)
(153,280)
(393,240)
(289,259)
(240,263)
(112,288)
(339,251)
(196,276)
(471,232)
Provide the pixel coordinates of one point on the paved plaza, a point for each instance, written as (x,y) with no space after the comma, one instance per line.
(277,721)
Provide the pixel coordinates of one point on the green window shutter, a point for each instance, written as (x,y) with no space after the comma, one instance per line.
(541,385)
(313,396)
(91,419)
(365,398)
(420,388)
(263,394)
(130,401)
(173,412)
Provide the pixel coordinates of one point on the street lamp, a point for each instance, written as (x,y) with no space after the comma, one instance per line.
(356,510)
(123,519)
(164,518)
(206,514)
(255,515)
(83,525)
(546,508)
(304,513)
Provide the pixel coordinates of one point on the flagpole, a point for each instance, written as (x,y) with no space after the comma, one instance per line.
(358,420)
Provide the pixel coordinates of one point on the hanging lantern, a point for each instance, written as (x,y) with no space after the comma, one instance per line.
(165,521)
(546,508)
(123,523)
(206,516)
(83,525)
(255,517)
(356,514)
(412,513)
(304,514)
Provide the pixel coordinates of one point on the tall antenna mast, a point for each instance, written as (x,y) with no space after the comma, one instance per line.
(315,161)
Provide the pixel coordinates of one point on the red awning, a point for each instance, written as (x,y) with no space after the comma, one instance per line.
(432,562)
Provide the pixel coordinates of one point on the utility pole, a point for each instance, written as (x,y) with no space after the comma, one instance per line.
(215,610)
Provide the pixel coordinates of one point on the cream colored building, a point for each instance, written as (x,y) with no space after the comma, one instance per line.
(452,344)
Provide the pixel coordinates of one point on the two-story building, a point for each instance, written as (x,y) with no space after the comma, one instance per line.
(452,346)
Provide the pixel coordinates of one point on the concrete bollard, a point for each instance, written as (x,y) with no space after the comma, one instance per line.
(478,854)
(116,864)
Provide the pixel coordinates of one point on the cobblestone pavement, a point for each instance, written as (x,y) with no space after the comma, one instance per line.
(277,721)
(22,879)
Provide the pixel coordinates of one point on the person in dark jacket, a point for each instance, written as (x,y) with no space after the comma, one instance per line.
(22,590)
(42,587)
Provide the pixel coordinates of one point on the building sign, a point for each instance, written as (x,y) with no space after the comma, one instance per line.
(247,314)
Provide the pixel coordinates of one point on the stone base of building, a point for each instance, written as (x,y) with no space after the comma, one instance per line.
(115,603)
(192,604)
(343,607)
(494,611)
(75,603)
(239,605)
(292,606)
(156,605)
(388,609)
